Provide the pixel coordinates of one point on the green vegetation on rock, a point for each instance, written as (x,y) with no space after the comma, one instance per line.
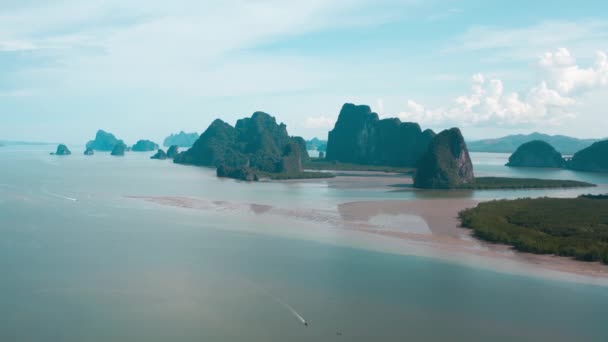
(360,137)
(446,164)
(576,227)
(536,153)
(255,144)
(594,158)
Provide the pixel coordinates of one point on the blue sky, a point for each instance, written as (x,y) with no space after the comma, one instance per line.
(144,69)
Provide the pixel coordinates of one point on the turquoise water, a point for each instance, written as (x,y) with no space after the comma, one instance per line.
(80,262)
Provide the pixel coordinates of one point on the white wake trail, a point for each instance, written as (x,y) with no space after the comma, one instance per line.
(58,196)
(291,309)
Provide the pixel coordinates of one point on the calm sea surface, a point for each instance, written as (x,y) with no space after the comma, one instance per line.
(81,261)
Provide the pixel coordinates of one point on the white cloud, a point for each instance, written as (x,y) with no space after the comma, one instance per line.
(565,75)
(319,122)
(550,102)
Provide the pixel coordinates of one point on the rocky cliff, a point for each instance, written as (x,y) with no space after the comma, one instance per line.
(62,150)
(104,141)
(446,164)
(257,143)
(172,152)
(359,136)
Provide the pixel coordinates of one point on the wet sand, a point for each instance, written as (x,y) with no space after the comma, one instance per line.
(425,227)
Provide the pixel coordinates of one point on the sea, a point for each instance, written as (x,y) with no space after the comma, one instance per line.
(83,257)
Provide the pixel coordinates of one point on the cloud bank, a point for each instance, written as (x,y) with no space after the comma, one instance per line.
(549,102)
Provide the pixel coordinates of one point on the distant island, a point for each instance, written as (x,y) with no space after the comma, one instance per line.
(541,154)
(171,153)
(593,158)
(103,141)
(144,146)
(256,147)
(315,144)
(360,137)
(536,153)
(181,139)
(574,227)
(563,144)
(62,150)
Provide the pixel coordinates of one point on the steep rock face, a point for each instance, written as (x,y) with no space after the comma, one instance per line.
(213,146)
(63,150)
(291,161)
(160,155)
(255,143)
(594,158)
(119,149)
(104,141)
(243,173)
(359,136)
(173,151)
(446,164)
(351,136)
(89,152)
(303,148)
(536,153)
(144,146)
(182,139)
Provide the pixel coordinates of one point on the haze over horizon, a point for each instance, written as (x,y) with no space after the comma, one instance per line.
(145,69)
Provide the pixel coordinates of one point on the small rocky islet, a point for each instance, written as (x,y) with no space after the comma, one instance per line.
(62,150)
(144,146)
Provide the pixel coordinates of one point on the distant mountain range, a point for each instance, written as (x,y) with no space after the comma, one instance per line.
(13,143)
(564,144)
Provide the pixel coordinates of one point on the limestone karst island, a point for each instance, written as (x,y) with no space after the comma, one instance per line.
(296,171)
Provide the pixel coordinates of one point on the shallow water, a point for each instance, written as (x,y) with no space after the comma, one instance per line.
(81,262)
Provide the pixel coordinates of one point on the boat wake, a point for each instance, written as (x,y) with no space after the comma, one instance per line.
(291,309)
(282,303)
(46,192)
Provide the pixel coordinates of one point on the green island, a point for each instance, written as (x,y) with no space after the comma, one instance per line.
(574,227)
(491,183)
(323,164)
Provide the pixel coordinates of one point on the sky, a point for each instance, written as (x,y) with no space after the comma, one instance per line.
(143,69)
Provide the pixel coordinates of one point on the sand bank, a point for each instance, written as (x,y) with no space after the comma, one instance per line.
(425,227)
